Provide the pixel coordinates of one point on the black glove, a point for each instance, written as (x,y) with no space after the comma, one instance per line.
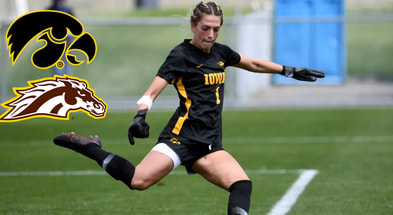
(138,128)
(302,73)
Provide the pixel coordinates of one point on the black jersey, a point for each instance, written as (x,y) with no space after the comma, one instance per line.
(199,80)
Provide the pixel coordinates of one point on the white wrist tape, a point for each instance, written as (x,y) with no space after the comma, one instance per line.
(145,100)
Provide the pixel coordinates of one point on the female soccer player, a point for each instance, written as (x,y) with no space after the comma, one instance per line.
(192,137)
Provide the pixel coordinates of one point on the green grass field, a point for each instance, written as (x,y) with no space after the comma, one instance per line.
(350,148)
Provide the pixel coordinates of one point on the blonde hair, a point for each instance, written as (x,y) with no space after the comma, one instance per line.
(211,8)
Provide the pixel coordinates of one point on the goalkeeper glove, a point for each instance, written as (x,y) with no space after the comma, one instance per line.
(302,73)
(138,128)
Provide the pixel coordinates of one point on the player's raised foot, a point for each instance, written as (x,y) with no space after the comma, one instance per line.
(77,143)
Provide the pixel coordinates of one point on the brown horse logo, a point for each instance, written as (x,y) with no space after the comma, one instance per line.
(55,97)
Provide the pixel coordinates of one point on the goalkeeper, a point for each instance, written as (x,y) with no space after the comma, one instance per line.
(192,137)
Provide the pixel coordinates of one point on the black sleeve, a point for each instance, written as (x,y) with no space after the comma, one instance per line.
(233,59)
(231,56)
(173,66)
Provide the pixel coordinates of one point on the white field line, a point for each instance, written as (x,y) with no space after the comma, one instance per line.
(285,204)
(54,173)
(102,172)
(282,207)
(311,139)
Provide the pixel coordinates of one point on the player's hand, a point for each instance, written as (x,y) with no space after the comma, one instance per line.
(302,73)
(138,128)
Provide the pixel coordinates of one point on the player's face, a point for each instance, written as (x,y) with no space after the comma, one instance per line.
(206,32)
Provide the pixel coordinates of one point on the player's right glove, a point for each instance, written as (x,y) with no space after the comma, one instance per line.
(138,128)
(302,73)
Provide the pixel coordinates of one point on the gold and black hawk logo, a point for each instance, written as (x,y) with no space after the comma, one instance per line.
(52,27)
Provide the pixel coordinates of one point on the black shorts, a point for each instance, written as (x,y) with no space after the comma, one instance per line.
(190,153)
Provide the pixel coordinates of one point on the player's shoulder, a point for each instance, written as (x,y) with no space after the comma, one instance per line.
(179,50)
(222,47)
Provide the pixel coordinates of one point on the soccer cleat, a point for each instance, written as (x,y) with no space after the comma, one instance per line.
(77,143)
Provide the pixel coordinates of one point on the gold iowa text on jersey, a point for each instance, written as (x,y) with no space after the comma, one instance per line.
(214,78)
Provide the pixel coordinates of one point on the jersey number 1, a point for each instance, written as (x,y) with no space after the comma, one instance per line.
(218,101)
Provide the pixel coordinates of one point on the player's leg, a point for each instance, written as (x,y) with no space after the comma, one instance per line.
(116,166)
(154,166)
(221,169)
(151,170)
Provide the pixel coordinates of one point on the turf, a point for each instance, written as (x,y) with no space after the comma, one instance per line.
(351,149)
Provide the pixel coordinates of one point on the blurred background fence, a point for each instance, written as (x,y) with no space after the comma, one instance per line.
(134,37)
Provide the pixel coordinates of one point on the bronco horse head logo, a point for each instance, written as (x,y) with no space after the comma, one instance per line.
(54,97)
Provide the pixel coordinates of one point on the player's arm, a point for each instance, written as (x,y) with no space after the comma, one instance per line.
(139,128)
(156,87)
(263,66)
(258,65)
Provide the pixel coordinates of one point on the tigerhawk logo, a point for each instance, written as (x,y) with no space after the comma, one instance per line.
(52,27)
(54,97)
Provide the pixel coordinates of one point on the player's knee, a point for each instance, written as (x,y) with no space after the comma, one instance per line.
(141,184)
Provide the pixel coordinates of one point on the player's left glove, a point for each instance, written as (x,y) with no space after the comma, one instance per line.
(302,73)
(139,127)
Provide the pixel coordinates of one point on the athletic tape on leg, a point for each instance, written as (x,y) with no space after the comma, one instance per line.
(166,150)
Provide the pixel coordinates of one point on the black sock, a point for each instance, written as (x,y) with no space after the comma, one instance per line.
(116,166)
(239,199)
(119,168)
(96,153)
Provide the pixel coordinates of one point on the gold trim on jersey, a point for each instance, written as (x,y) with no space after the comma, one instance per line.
(183,93)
